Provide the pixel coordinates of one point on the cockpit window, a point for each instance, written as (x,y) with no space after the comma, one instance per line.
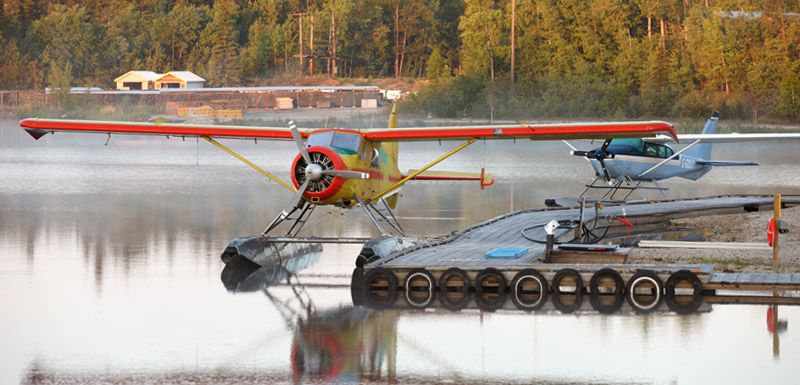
(341,142)
(657,150)
(322,139)
(630,142)
(346,143)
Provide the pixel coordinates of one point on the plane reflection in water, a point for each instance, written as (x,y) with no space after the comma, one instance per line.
(360,343)
(275,262)
(339,344)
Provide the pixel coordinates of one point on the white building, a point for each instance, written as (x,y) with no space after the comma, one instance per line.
(136,80)
(179,79)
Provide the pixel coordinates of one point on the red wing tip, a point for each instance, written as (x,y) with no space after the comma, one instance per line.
(35,133)
(30,127)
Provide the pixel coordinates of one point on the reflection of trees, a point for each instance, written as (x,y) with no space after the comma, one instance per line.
(130,229)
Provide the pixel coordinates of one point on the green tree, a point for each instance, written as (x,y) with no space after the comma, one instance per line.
(65,35)
(10,64)
(269,48)
(483,38)
(59,80)
(437,67)
(221,52)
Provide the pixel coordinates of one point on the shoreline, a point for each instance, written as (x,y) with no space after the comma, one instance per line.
(741,227)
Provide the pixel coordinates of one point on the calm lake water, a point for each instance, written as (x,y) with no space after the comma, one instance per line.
(110,272)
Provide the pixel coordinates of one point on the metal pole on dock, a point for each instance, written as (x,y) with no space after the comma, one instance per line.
(777,217)
(580,223)
(550,230)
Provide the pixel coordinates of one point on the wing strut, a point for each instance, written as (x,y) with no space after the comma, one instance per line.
(247,162)
(420,171)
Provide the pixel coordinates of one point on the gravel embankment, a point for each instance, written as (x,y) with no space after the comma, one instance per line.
(744,227)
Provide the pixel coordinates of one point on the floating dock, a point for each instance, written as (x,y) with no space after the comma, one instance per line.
(485,264)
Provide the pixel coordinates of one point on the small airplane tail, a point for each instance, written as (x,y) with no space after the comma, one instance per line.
(703,150)
(393,117)
(391,148)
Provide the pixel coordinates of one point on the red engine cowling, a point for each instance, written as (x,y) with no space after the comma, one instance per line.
(328,185)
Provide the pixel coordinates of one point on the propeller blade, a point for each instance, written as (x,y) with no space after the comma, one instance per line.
(298,196)
(605,145)
(580,153)
(605,170)
(298,140)
(347,174)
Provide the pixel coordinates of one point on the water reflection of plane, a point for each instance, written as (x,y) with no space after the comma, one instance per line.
(276,262)
(340,344)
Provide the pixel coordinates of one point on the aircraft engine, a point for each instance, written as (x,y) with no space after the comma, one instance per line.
(325,174)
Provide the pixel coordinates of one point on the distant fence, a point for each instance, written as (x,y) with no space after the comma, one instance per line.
(21,98)
(243,98)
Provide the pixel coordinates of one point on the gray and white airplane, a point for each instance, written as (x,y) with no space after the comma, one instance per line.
(652,159)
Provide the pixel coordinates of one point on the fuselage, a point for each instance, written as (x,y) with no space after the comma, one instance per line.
(343,149)
(632,157)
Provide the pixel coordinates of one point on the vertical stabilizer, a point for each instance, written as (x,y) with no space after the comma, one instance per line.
(703,150)
(390,152)
(393,117)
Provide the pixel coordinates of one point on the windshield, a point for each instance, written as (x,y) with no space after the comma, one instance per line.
(322,139)
(346,143)
(631,142)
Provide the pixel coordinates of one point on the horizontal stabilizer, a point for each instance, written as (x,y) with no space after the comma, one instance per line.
(485,178)
(726,163)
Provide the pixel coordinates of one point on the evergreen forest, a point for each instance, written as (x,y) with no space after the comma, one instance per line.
(570,58)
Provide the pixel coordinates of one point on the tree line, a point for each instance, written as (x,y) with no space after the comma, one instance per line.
(571,58)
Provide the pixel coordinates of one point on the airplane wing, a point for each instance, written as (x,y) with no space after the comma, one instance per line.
(39,127)
(726,138)
(726,163)
(526,131)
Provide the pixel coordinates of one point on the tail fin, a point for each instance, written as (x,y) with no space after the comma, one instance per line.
(391,149)
(393,117)
(703,150)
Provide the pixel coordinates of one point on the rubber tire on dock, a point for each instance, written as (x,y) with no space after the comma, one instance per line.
(357,286)
(528,274)
(453,306)
(594,293)
(496,275)
(562,307)
(376,274)
(697,295)
(647,275)
(419,273)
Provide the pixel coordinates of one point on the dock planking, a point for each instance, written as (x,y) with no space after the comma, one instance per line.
(466,249)
(745,281)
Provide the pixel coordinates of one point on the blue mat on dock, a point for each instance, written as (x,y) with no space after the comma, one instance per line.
(507,252)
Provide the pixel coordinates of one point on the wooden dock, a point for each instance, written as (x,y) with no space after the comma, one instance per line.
(457,270)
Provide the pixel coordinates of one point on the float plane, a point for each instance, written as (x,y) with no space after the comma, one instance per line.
(346,167)
(637,160)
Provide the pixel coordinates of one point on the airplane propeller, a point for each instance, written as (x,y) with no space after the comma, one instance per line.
(317,170)
(600,154)
(298,140)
